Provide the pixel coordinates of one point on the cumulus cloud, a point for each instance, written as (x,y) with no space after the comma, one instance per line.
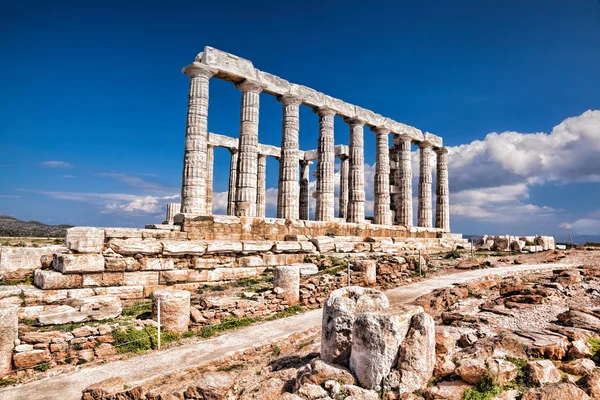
(139,183)
(140,205)
(56,164)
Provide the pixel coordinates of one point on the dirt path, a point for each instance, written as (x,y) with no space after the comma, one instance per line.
(139,369)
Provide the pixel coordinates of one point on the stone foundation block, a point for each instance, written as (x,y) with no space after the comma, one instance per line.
(229,274)
(142,278)
(9,332)
(368,267)
(78,263)
(174,308)
(136,246)
(122,292)
(34,296)
(19,262)
(324,244)
(60,315)
(31,358)
(287,283)
(47,279)
(123,233)
(224,247)
(306,268)
(256,246)
(287,247)
(250,261)
(98,308)
(104,279)
(183,247)
(121,264)
(85,239)
(157,264)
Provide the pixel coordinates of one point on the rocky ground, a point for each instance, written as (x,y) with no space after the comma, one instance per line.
(531,336)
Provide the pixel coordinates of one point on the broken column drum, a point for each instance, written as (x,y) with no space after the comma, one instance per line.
(174,309)
(286,283)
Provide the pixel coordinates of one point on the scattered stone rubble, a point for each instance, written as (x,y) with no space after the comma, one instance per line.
(531,244)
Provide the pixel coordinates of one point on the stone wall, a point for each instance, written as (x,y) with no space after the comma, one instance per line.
(17,263)
(530,244)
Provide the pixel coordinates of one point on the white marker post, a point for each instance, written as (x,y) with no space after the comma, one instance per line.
(158,318)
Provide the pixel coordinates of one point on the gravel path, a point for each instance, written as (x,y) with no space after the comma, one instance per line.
(138,369)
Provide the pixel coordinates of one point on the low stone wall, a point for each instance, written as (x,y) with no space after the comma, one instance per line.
(245,228)
(532,244)
(18,263)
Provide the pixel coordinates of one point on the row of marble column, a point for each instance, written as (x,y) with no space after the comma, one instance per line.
(248,167)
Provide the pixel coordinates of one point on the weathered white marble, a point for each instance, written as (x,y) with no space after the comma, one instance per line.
(325,167)
(381,209)
(403,183)
(442,192)
(172,210)
(356,178)
(425,181)
(288,189)
(210,161)
(343,198)
(232,182)
(304,202)
(261,185)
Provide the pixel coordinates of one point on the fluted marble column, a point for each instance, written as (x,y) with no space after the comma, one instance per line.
(233,164)
(261,186)
(325,168)
(210,166)
(356,179)
(442,192)
(304,195)
(193,182)
(343,199)
(403,182)
(381,209)
(425,203)
(245,196)
(288,192)
(172,210)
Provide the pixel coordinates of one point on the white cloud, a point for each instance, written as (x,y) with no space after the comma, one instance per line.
(56,164)
(141,205)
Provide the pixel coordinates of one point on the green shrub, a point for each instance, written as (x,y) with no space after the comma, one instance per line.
(226,324)
(42,367)
(595,346)
(487,389)
(137,308)
(288,312)
(276,350)
(132,340)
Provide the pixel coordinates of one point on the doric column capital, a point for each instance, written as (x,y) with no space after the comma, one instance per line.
(232,150)
(324,112)
(249,86)
(354,121)
(441,150)
(424,145)
(289,100)
(380,130)
(197,69)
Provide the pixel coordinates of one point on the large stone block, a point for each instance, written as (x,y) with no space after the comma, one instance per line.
(174,306)
(287,247)
(256,246)
(376,341)
(224,247)
(416,358)
(136,246)
(104,279)
(367,267)
(230,274)
(324,244)
(48,279)
(60,315)
(34,296)
(98,308)
(78,263)
(339,313)
(83,239)
(122,292)
(31,358)
(183,247)
(9,332)
(157,264)
(121,264)
(143,278)
(123,233)
(18,262)
(287,283)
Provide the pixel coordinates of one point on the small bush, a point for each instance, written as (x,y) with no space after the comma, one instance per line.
(42,367)
(595,346)
(487,389)
(137,308)
(226,324)
(276,350)
(288,312)
(132,340)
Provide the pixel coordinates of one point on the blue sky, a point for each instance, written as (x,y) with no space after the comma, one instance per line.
(96,89)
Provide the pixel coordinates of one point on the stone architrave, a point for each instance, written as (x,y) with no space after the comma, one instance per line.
(174,309)
(232,181)
(403,181)
(304,192)
(245,195)
(340,311)
(425,180)
(343,202)
(261,185)
(442,192)
(9,332)
(325,167)
(381,209)
(210,165)
(356,178)
(84,239)
(193,184)
(287,282)
(287,194)
(172,210)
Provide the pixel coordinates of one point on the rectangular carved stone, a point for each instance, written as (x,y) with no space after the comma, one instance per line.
(254,246)
(120,264)
(47,279)
(184,275)
(224,246)
(141,278)
(83,239)
(34,296)
(105,279)
(324,244)
(287,247)
(78,263)
(180,248)
(250,261)
(157,264)
(229,274)
(19,262)
(136,246)
(122,292)
(123,233)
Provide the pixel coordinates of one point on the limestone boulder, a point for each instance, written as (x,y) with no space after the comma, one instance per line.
(416,358)
(358,393)
(104,389)
(30,359)
(579,319)
(183,247)
(98,308)
(560,391)
(48,279)
(542,372)
(472,370)
(590,383)
(453,390)
(324,244)
(580,367)
(9,333)
(83,239)
(339,313)
(224,247)
(78,263)
(312,392)
(319,371)
(212,385)
(306,268)
(376,340)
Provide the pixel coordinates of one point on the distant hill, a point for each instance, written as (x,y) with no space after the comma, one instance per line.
(13,227)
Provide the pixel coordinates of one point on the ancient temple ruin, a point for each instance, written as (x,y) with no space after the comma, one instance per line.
(393,192)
